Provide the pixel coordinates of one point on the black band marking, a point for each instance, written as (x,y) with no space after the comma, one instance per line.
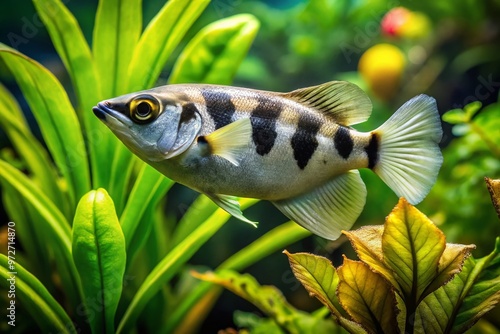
(343,142)
(304,142)
(372,151)
(189,111)
(263,119)
(219,106)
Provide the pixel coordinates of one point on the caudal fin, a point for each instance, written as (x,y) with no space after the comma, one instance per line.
(409,157)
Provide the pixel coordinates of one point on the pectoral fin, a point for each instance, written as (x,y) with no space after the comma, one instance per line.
(230,141)
(230,205)
(329,209)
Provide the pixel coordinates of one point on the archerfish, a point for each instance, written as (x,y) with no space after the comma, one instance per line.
(295,149)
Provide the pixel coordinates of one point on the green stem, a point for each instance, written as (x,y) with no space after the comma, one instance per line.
(490,143)
(411,310)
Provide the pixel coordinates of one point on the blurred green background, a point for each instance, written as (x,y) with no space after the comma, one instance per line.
(447,49)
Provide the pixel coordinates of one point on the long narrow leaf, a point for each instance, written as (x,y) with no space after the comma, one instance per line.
(269,300)
(155,45)
(144,191)
(53,223)
(215,53)
(274,240)
(44,309)
(159,39)
(10,109)
(167,268)
(39,200)
(74,51)
(199,211)
(100,257)
(117,29)
(29,233)
(148,223)
(55,116)
(29,148)
(121,170)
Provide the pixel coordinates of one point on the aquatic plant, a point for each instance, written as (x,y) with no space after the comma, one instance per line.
(407,280)
(93,250)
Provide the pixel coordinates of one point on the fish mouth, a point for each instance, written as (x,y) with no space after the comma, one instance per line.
(103,110)
(99,111)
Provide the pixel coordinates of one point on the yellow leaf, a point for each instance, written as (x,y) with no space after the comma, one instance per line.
(367,297)
(367,242)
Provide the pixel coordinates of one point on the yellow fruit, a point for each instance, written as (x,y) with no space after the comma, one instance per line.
(382,67)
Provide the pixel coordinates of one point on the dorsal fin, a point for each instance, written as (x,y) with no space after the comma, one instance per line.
(343,102)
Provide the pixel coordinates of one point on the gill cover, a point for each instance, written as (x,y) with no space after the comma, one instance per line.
(180,130)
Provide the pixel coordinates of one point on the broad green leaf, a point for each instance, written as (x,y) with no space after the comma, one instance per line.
(214,54)
(146,185)
(481,292)
(43,307)
(75,53)
(117,28)
(458,305)
(472,109)
(367,242)
(450,264)
(269,300)
(367,297)
(461,116)
(412,247)
(161,36)
(455,116)
(189,312)
(318,276)
(436,312)
(30,149)
(55,116)
(53,223)
(100,257)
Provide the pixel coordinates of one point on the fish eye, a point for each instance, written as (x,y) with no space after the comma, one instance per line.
(144,109)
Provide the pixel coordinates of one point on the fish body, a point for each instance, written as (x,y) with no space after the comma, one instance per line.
(294,149)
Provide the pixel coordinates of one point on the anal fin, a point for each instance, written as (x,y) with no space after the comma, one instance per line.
(330,208)
(231,205)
